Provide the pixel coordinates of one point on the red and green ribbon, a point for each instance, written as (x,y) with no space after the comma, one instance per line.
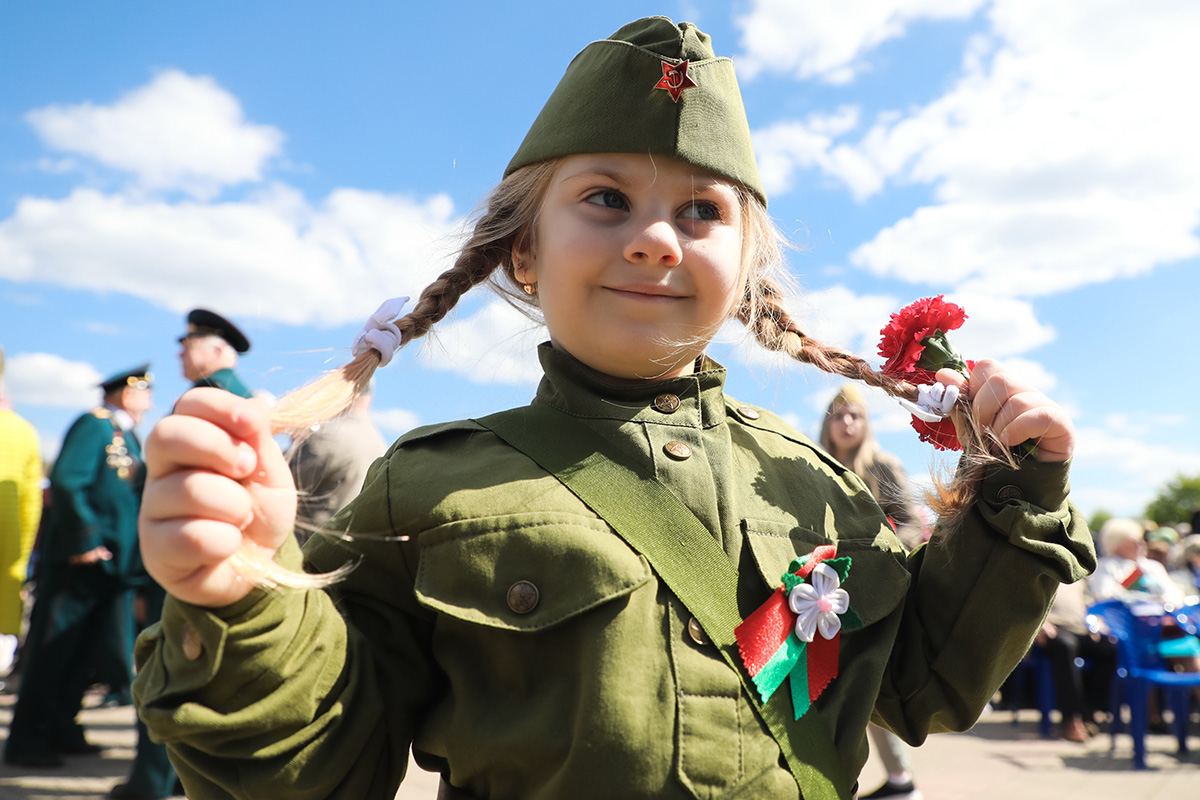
(771,650)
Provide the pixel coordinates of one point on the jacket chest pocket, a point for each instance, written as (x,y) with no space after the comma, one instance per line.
(549,634)
(711,717)
(525,572)
(877,580)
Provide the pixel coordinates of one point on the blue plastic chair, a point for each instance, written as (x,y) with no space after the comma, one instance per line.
(1140,667)
(1038,663)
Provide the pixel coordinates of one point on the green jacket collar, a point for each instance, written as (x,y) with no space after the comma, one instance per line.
(575,389)
(228,380)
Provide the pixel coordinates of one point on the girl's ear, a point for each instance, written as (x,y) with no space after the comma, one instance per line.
(523,267)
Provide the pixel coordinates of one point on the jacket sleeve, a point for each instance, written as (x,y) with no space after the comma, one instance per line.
(978,598)
(75,470)
(311,694)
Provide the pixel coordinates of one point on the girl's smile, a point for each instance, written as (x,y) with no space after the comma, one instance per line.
(637,261)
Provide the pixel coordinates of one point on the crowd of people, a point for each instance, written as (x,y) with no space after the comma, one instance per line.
(73,591)
(598,594)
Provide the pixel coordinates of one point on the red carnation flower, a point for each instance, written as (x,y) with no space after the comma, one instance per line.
(913,330)
(916,346)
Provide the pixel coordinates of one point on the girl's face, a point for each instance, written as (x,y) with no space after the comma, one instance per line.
(847,426)
(637,261)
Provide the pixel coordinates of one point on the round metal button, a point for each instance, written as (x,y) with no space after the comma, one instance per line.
(522,597)
(677,450)
(696,632)
(667,403)
(1009,492)
(748,412)
(190,643)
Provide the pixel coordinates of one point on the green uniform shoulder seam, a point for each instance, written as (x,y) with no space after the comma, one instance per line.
(426,432)
(770,422)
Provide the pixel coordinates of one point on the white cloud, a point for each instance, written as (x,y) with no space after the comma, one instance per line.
(997,327)
(784,147)
(1032,248)
(496,344)
(829,39)
(325,264)
(1061,156)
(1143,467)
(102,328)
(395,420)
(177,132)
(45,379)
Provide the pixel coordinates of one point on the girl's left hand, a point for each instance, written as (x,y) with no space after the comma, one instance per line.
(1015,411)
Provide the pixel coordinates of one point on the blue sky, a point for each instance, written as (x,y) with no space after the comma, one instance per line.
(292,164)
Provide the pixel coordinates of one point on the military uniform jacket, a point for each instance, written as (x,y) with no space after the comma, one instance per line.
(94,495)
(225,379)
(525,651)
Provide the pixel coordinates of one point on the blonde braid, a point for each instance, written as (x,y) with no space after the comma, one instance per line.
(505,225)
(775,329)
(763,313)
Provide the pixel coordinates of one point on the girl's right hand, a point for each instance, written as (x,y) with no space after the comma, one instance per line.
(214,479)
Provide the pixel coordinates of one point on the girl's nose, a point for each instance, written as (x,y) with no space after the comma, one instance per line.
(655,243)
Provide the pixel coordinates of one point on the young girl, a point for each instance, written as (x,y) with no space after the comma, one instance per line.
(543,602)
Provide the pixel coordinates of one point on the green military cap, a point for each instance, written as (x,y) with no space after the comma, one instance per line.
(138,378)
(202,322)
(652,87)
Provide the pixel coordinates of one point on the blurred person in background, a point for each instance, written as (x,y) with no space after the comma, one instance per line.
(1064,638)
(330,464)
(846,435)
(1188,574)
(87,560)
(20,512)
(210,349)
(1126,572)
(1161,545)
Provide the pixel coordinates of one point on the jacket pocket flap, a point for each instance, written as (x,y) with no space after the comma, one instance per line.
(877,580)
(525,572)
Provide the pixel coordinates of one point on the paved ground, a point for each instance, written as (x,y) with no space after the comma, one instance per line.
(997,760)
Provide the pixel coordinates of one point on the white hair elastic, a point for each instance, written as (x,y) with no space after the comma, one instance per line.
(934,402)
(380,333)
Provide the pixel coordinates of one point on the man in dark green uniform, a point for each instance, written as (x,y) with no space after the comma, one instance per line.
(210,351)
(87,559)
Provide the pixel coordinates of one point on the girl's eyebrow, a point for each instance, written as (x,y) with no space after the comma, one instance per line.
(699,182)
(597,172)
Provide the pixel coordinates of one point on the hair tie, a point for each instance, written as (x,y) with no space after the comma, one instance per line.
(934,402)
(380,333)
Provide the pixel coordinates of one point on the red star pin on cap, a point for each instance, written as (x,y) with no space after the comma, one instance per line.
(675,79)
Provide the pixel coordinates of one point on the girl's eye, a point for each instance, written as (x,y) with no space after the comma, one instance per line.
(609,198)
(703,211)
